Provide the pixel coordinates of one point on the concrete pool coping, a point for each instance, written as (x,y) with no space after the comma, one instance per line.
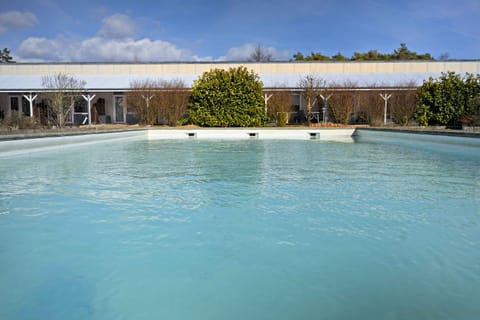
(427,131)
(180,132)
(23,144)
(26,143)
(46,133)
(427,137)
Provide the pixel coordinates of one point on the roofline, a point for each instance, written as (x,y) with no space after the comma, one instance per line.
(332,89)
(235,62)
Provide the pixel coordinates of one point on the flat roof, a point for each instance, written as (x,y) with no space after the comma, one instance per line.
(114,76)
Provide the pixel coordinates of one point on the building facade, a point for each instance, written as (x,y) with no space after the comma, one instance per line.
(106,84)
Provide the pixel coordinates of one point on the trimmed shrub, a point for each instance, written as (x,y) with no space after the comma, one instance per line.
(447,100)
(232,98)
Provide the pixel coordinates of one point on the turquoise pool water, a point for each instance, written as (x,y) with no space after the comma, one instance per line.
(240,230)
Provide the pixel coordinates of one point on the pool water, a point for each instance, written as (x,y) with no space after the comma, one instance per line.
(240,230)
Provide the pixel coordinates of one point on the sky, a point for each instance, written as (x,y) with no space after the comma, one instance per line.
(189,30)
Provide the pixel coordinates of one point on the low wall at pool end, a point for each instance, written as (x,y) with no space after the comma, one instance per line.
(41,143)
(253,133)
(410,136)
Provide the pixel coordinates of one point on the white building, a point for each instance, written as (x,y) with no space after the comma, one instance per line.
(106,83)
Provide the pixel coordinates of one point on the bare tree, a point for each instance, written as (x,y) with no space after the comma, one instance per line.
(174,100)
(260,54)
(403,103)
(444,56)
(370,107)
(144,96)
(311,89)
(154,99)
(342,103)
(61,93)
(279,106)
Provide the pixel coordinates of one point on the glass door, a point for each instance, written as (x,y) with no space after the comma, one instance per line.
(119,111)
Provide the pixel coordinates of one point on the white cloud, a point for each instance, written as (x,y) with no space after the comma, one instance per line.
(244,52)
(114,42)
(117,26)
(41,49)
(16,19)
(101,49)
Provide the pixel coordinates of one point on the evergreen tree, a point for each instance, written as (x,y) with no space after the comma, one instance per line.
(5,56)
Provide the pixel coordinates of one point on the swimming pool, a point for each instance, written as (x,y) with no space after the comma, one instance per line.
(241,229)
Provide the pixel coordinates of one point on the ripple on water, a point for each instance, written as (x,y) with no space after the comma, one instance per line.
(229,229)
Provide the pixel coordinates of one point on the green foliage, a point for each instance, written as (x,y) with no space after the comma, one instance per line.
(298,56)
(448,99)
(402,53)
(232,98)
(372,55)
(314,56)
(339,57)
(5,56)
(317,56)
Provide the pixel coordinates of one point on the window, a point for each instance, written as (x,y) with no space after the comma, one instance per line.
(119,112)
(25,107)
(20,104)
(81,106)
(14,105)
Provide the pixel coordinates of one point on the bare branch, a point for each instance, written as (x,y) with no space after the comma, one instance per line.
(260,54)
(64,91)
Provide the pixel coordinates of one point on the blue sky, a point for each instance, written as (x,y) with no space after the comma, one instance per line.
(55,30)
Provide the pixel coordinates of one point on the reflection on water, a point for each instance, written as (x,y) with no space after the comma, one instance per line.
(240,229)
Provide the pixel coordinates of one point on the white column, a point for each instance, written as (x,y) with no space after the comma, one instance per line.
(147,100)
(266,97)
(30,98)
(385,98)
(325,109)
(89,98)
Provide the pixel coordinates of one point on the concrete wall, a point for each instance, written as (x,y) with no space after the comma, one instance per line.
(343,135)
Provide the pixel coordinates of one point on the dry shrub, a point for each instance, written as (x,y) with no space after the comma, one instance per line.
(279,106)
(17,121)
(158,99)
